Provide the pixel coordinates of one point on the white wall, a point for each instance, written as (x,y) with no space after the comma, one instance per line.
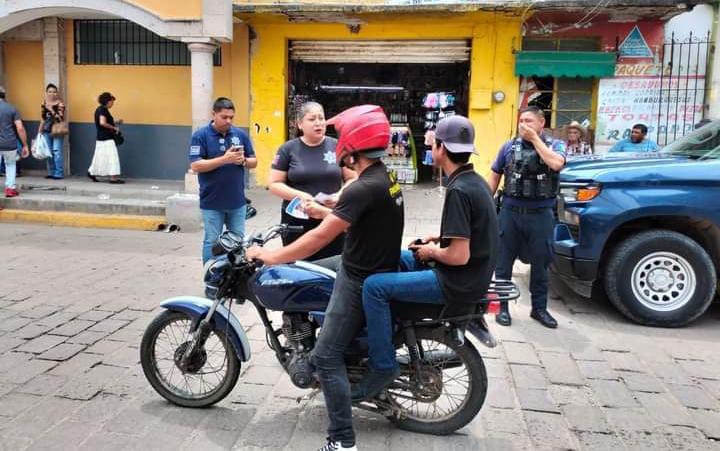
(699,22)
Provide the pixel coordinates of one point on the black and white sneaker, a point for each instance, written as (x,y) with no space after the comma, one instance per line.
(337,446)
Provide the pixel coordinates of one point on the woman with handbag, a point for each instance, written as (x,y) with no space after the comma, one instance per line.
(106,161)
(54,129)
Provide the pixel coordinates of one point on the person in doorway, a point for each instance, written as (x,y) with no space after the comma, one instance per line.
(530,165)
(52,123)
(219,153)
(464,254)
(106,161)
(638,141)
(371,211)
(575,144)
(304,167)
(11,128)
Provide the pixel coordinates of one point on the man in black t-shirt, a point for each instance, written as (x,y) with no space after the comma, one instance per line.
(371,210)
(464,254)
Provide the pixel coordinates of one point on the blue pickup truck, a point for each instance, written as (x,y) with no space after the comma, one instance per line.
(645,228)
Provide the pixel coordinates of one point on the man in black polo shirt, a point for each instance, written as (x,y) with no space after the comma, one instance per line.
(371,210)
(464,254)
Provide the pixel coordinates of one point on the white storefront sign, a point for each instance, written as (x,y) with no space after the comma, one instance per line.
(624,102)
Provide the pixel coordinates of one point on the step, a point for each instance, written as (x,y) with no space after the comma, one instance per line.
(88,220)
(103,203)
(150,192)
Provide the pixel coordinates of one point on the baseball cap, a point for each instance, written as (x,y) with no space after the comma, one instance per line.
(457,134)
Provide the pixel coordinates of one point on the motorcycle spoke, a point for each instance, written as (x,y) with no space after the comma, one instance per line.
(441,360)
(196,382)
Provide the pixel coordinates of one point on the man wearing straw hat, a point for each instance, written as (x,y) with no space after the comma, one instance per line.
(575,143)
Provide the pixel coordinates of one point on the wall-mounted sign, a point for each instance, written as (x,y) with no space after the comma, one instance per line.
(668,107)
(637,70)
(635,46)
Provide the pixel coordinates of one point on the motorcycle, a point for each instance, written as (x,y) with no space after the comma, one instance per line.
(192,352)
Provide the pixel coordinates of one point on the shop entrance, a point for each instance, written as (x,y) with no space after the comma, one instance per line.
(416,84)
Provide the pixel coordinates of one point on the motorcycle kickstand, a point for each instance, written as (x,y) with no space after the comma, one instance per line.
(313,393)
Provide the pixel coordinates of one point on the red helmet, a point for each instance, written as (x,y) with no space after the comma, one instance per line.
(361,128)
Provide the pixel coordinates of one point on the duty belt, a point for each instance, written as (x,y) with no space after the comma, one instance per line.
(525,210)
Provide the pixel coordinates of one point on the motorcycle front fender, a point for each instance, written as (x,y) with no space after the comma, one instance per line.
(196,308)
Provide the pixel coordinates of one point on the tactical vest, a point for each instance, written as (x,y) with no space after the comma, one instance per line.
(527,176)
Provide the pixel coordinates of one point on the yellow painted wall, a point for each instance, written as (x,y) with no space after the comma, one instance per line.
(145,94)
(24,79)
(172,9)
(491,68)
(240,73)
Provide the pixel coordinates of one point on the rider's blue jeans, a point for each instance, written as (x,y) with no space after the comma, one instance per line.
(343,320)
(415,284)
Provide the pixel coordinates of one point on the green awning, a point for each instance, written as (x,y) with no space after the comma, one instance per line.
(565,64)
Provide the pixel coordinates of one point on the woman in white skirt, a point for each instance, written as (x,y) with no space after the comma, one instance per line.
(105,161)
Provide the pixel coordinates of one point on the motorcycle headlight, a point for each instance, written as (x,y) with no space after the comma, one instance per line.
(215,270)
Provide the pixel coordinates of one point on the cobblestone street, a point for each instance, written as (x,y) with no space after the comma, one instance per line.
(74,304)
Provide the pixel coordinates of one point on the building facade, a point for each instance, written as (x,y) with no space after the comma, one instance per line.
(165,61)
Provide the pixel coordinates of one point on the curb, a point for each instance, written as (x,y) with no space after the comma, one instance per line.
(87,220)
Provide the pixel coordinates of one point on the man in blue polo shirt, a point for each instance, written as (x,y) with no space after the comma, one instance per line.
(637,141)
(219,153)
(530,165)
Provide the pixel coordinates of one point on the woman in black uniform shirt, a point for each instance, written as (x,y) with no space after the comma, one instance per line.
(304,167)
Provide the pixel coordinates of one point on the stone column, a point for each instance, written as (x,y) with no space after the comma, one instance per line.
(201,74)
(201,60)
(55,64)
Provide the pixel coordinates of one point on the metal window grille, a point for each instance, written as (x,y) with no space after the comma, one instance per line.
(124,43)
(681,94)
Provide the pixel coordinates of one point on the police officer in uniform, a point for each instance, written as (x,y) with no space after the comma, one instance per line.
(530,165)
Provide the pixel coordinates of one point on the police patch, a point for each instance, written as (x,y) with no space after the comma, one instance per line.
(195,150)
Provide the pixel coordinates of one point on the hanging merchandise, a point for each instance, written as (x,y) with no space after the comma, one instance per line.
(439,105)
(401,153)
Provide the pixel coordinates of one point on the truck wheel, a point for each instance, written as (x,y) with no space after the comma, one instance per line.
(660,278)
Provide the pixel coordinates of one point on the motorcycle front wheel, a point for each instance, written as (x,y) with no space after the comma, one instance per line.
(210,374)
(453,389)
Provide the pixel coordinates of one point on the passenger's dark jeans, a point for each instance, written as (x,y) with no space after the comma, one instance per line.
(343,320)
(530,233)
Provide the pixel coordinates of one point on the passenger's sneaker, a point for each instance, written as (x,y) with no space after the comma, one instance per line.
(11,192)
(372,384)
(337,446)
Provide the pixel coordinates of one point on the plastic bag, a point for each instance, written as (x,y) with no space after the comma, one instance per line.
(40,148)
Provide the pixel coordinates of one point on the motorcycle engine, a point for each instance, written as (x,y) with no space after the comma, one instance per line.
(300,335)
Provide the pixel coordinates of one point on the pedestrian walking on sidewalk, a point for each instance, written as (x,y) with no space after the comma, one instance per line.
(11,128)
(304,167)
(219,153)
(54,128)
(106,161)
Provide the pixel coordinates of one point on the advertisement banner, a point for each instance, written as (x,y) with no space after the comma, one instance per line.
(624,102)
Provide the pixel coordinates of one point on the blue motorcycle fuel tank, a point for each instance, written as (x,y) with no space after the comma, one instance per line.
(295,287)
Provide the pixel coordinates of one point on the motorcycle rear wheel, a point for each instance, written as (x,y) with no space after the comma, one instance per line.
(163,342)
(444,410)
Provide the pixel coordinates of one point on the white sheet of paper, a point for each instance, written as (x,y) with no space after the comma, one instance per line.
(322,197)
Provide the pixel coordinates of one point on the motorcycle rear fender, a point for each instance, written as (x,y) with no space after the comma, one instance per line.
(196,308)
